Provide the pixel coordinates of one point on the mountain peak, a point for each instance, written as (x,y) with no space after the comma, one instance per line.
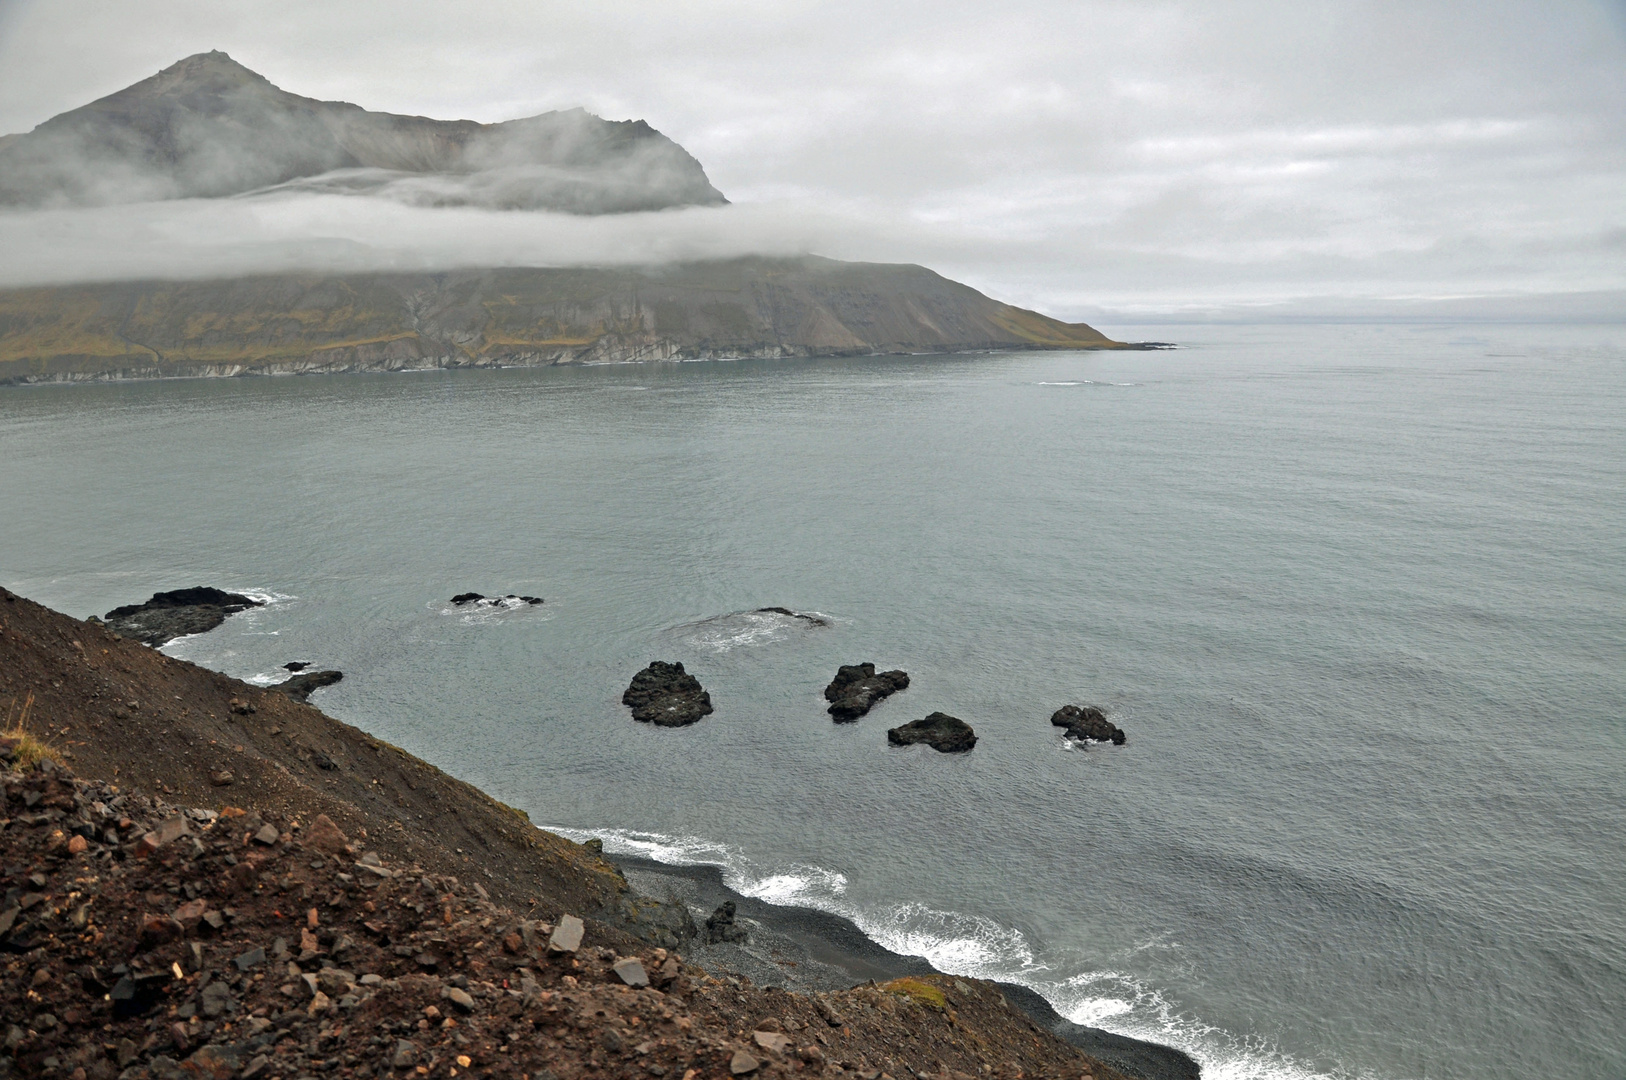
(206,126)
(213,70)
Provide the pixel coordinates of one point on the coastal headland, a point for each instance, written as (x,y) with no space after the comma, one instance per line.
(218,879)
(298,324)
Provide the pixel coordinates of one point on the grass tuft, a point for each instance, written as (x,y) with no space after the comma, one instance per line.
(19,747)
(918,991)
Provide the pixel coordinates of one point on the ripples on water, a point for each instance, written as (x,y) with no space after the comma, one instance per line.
(1356,594)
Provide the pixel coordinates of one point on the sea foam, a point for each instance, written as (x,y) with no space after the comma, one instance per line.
(974,946)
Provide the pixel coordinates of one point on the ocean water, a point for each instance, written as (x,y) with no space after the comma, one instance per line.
(1356,593)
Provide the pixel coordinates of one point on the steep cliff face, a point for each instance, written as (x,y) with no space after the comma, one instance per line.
(208,126)
(507,317)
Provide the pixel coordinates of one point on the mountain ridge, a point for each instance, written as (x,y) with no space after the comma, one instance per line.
(208,127)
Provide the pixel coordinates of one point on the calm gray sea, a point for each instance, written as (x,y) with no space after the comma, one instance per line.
(1357,594)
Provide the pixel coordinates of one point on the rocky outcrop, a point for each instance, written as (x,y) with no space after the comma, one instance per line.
(301,686)
(660,922)
(720,925)
(940,731)
(858,688)
(666,695)
(1085,722)
(178,613)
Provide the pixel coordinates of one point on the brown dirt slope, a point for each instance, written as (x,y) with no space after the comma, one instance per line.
(121,711)
(370,322)
(152,943)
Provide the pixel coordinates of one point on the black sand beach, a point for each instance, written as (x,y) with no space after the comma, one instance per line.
(804,949)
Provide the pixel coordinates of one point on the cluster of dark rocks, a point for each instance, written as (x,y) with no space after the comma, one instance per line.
(666,695)
(857,688)
(177,613)
(663,693)
(494,601)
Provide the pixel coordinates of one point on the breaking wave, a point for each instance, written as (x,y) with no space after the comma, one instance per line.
(737,629)
(974,946)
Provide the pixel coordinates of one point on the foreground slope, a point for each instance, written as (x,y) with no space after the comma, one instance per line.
(208,126)
(159,924)
(286,324)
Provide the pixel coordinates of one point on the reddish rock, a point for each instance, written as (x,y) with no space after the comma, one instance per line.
(323,835)
(189,914)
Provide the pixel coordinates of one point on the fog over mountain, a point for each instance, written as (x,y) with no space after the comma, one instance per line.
(208,126)
(1096,159)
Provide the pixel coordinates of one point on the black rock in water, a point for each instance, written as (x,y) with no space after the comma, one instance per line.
(666,695)
(300,686)
(1087,722)
(814,619)
(857,688)
(479,598)
(297,665)
(720,925)
(169,615)
(940,731)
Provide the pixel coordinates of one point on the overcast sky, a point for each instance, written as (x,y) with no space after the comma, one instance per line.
(1081,157)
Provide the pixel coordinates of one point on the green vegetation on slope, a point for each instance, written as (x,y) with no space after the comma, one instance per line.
(294,323)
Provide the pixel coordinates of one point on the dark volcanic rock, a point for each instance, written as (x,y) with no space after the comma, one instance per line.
(720,925)
(494,601)
(1087,722)
(857,688)
(297,665)
(940,731)
(300,686)
(169,615)
(667,695)
(814,619)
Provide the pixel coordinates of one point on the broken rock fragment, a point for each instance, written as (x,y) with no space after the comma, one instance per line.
(631,971)
(323,835)
(567,936)
(772,1041)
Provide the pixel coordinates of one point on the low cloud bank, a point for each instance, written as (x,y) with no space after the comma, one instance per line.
(370,220)
(295,230)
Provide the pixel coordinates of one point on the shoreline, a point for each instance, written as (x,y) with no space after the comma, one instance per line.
(807,950)
(303,367)
(197,738)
